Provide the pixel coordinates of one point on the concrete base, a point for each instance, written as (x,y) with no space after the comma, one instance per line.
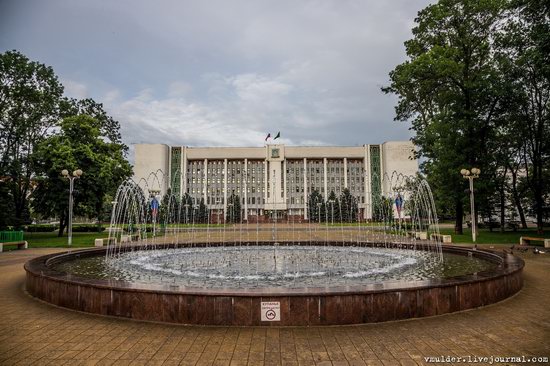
(446,239)
(420,235)
(101,242)
(19,244)
(525,240)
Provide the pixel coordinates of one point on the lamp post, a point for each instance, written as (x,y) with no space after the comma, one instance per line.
(332,210)
(186,205)
(319,212)
(471,175)
(76,175)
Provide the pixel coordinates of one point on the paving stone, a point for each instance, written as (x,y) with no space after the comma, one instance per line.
(35,333)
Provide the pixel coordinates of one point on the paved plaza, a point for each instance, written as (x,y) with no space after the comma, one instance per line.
(35,333)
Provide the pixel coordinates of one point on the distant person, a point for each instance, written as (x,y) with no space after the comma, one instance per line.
(399,204)
(154,208)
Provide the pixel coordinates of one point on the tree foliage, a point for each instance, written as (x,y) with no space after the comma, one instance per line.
(523,53)
(233,214)
(78,145)
(349,206)
(475,87)
(333,208)
(315,206)
(34,116)
(30,94)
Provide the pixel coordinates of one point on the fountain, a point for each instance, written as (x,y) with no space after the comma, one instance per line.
(168,262)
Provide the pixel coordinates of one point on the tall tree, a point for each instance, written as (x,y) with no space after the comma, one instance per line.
(349,206)
(233,214)
(186,209)
(333,208)
(78,145)
(314,205)
(6,205)
(202,213)
(108,126)
(524,55)
(449,89)
(29,107)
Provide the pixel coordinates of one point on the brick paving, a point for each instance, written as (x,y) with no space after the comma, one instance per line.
(35,333)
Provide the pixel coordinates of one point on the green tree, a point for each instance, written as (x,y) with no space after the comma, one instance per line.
(30,94)
(524,56)
(233,214)
(450,90)
(108,126)
(186,210)
(6,205)
(169,208)
(314,204)
(202,212)
(333,208)
(349,206)
(78,145)
(382,209)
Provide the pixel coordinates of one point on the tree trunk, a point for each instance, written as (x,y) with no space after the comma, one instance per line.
(459,216)
(62,224)
(502,208)
(539,204)
(517,200)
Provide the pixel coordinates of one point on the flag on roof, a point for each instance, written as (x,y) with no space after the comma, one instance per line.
(268,136)
(278,135)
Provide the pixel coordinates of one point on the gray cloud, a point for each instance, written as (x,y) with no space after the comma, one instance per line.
(225,73)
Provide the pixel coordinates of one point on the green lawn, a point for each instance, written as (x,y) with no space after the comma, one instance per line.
(51,240)
(484,236)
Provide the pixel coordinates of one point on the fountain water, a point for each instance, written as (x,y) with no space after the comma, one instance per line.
(408,225)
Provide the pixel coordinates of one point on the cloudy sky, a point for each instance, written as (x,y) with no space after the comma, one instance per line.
(224,73)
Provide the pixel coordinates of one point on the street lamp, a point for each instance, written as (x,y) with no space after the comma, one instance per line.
(332,210)
(471,175)
(76,175)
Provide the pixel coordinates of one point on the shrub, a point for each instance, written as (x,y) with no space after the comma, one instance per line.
(44,228)
(87,228)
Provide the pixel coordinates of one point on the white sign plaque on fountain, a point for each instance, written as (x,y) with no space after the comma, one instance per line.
(271,311)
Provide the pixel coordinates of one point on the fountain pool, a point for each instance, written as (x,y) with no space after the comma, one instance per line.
(330,300)
(282,266)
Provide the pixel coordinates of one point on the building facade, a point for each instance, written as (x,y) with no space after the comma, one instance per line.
(275,178)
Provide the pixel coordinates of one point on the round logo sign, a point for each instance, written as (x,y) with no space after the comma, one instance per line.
(270,314)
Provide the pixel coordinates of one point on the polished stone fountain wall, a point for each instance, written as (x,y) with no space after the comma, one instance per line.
(308,306)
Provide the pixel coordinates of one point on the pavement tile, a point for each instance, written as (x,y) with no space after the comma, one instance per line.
(34,333)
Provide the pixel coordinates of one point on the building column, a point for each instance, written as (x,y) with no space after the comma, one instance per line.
(205,185)
(284,183)
(168,176)
(366,174)
(183,170)
(325,173)
(383,182)
(224,189)
(246,189)
(266,177)
(345,172)
(305,189)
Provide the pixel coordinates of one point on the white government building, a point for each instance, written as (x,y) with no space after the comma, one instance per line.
(275,178)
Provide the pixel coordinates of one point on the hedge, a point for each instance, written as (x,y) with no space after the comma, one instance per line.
(76,228)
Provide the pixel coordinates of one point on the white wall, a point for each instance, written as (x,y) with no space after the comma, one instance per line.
(150,158)
(397,156)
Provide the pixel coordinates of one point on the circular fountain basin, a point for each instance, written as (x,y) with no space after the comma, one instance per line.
(225,285)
